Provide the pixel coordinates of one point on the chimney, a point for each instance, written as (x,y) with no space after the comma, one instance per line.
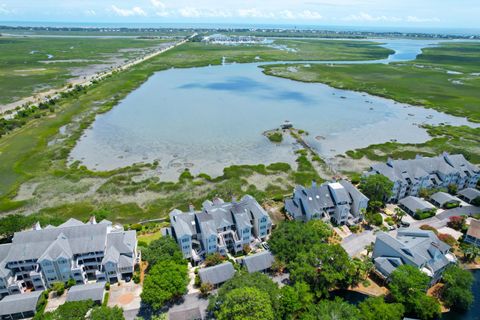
(92,220)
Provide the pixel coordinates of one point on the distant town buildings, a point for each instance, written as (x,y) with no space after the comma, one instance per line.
(224,39)
(219,227)
(338,201)
(410,176)
(74,250)
(419,248)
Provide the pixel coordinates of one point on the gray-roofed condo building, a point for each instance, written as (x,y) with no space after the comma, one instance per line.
(443,199)
(469,194)
(219,227)
(339,201)
(419,248)
(409,176)
(473,233)
(19,306)
(258,262)
(413,205)
(89,291)
(218,274)
(74,250)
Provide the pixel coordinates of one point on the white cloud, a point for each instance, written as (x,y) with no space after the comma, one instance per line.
(189,12)
(135,11)
(90,13)
(158,4)
(4,9)
(365,17)
(417,19)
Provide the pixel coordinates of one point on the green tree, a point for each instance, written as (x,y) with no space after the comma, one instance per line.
(58,287)
(332,310)
(452,189)
(399,214)
(457,292)
(106,313)
(375,308)
(408,286)
(74,310)
(248,280)
(166,281)
(294,300)
(213,259)
(476,201)
(162,249)
(470,252)
(245,304)
(377,187)
(324,267)
(292,238)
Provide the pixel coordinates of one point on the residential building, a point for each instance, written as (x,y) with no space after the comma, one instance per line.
(188,313)
(419,248)
(258,262)
(469,194)
(338,201)
(74,250)
(410,176)
(218,274)
(443,200)
(219,227)
(473,233)
(413,205)
(20,306)
(89,291)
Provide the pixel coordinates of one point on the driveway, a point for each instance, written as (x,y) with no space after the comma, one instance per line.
(355,243)
(441,219)
(127,297)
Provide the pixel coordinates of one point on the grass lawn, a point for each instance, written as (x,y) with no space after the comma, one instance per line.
(149,237)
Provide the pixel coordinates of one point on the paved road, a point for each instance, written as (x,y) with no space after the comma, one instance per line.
(356,243)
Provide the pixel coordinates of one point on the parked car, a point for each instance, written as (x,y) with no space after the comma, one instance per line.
(405,224)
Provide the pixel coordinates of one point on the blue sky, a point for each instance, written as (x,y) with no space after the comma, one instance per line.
(402,13)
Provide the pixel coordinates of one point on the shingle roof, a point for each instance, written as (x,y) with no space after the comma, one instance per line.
(17,303)
(217,274)
(469,193)
(82,239)
(4,249)
(414,247)
(93,291)
(259,261)
(413,169)
(442,198)
(185,314)
(474,229)
(414,203)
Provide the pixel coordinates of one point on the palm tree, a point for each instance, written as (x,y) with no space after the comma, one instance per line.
(399,214)
(471,252)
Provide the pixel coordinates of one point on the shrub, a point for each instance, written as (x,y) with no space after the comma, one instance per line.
(476,201)
(275,137)
(354,228)
(427,227)
(451,205)
(456,222)
(59,288)
(107,286)
(70,283)
(375,219)
(205,289)
(136,226)
(214,259)
(448,239)
(136,277)
(422,215)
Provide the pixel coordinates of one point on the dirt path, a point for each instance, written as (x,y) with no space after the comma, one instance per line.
(84,82)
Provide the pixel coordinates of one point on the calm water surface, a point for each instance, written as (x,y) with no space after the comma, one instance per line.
(208,118)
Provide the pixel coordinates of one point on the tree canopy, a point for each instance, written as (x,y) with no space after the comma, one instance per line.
(376,187)
(162,249)
(245,304)
(295,300)
(375,308)
(332,310)
(106,313)
(166,281)
(457,292)
(74,310)
(292,238)
(408,286)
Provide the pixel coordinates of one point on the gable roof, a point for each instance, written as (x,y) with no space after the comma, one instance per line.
(185,314)
(81,292)
(414,203)
(217,274)
(442,198)
(469,193)
(259,261)
(474,229)
(17,303)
